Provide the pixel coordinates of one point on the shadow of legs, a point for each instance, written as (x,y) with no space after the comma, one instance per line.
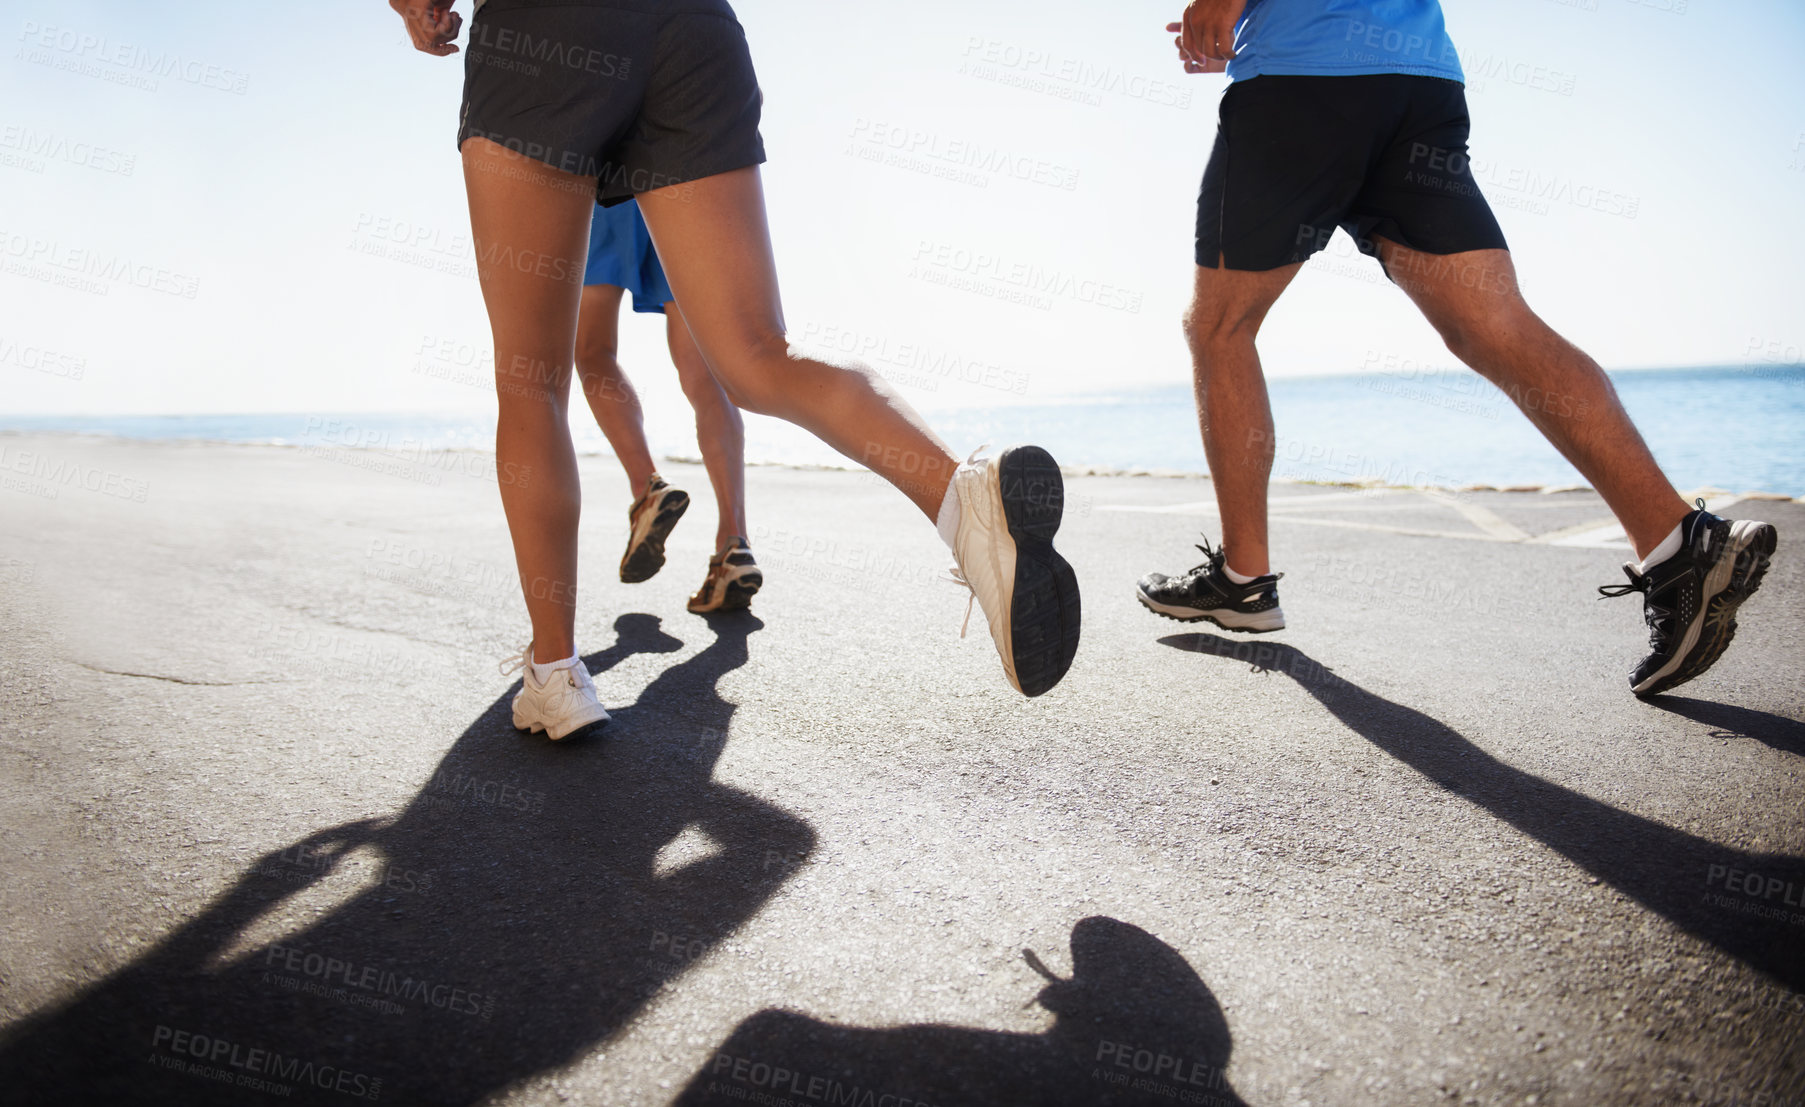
(503,923)
(1743,903)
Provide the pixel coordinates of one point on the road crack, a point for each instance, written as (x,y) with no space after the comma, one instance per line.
(176,680)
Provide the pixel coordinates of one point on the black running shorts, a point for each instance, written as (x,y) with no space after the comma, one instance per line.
(1380,155)
(640,94)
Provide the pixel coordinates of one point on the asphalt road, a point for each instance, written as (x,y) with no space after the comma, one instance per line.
(268,836)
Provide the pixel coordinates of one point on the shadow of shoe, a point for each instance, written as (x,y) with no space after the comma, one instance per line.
(1772,730)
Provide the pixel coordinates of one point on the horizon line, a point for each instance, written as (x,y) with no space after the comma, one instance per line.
(1751,368)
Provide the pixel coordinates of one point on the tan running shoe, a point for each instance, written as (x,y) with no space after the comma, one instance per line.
(649,523)
(733,579)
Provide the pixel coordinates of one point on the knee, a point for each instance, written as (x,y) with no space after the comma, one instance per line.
(711,403)
(754,373)
(600,376)
(698,383)
(1210,333)
(1460,341)
(1481,341)
(531,382)
(715,410)
(597,356)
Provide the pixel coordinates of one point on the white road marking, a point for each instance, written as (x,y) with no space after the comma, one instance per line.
(1484,518)
(1603,534)
(1194,508)
(1607,534)
(1414,532)
(1281,503)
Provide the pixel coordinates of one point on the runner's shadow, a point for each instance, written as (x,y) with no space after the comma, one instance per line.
(1750,905)
(1134,1025)
(518,912)
(1771,730)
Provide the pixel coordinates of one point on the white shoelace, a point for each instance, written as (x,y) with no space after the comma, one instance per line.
(957,575)
(523,662)
(517,662)
(971,597)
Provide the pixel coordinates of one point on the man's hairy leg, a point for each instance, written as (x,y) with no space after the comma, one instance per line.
(1227,308)
(1472,299)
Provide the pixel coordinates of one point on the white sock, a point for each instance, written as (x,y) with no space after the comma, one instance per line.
(543,673)
(1238,578)
(1668,547)
(947,522)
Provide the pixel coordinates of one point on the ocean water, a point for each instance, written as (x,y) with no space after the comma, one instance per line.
(1739,428)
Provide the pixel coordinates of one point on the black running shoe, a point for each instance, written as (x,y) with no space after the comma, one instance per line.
(1206,593)
(1689,601)
(649,523)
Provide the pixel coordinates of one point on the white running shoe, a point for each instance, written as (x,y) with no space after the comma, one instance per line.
(1009,510)
(564,706)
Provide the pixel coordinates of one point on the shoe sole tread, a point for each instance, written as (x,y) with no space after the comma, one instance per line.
(1204,617)
(1045,611)
(643,561)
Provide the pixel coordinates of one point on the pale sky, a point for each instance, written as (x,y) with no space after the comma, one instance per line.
(262,212)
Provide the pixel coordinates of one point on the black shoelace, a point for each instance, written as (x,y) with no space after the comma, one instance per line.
(1213,558)
(1658,616)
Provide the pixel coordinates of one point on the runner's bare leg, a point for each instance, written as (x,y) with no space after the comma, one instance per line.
(720,432)
(1227,308)
(712,237)
(530,225)
(612,399)
(1472,299)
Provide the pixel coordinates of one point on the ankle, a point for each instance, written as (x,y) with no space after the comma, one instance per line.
(1243,569)
(1650,556)
(1650,538)
(555,654)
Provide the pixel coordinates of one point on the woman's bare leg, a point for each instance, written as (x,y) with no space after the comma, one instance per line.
(720,433)
(716,248)
(531,229)
(610,394)
(711,236)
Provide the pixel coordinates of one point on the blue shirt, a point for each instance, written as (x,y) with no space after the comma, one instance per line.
(1333,38)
